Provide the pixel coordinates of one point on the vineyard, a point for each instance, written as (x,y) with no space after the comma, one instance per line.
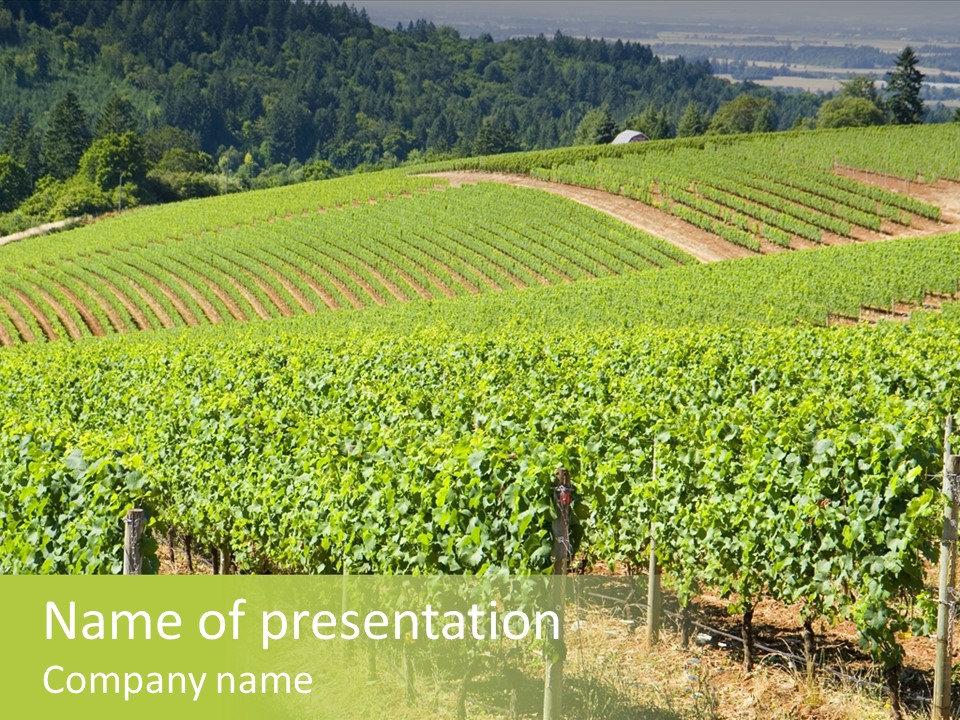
(784,470)
(793,462)
(428,246)
(761,194)
(924,153)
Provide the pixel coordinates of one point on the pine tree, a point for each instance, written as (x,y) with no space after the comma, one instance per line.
(116,118)
(67,137)
(596,128)
(20,142)
(904,89)
(653,123)
(692,122)
(494,138)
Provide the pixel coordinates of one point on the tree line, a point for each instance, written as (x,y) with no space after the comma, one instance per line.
(184,98)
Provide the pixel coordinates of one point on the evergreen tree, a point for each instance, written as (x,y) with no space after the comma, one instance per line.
(596,128)
(21,143)
(693,122)
(764,121)
(14,183)
(67,137)
(904,89)
(653,123)
(495,138)
(116,118)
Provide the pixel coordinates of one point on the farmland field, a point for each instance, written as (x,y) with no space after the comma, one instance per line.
(518,331)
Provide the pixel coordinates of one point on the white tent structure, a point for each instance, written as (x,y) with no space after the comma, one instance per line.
(629,136)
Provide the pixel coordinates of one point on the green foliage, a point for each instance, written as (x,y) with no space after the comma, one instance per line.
(783,470)
(320,80)
(405,440)
(117,117)
(20,142)
(693,122)
(861,86)
(849,111)
(40,204)
(743,114)
(180,160)
(67,137)
(653,123)
(80,196)
(495,138)
(63,501)
(903,89)
(318,170)
(14,183)
(157,143)
(110,157)
(596,128)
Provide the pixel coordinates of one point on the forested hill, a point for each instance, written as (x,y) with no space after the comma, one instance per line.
(300,81)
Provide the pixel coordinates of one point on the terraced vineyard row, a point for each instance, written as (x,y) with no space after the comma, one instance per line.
(742,198)
(424,247)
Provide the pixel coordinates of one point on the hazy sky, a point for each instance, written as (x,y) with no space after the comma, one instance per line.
(913,19)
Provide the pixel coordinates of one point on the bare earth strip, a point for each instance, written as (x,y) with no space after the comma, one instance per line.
(456,276)
(367,288)
(702,245)
(235,312)
(5,338)
(26,334)
(270,292)
(292,289)
(112,315)
(391,288)
(179,305)
(326,297)
(89,319)
(246,294)
(945,194)
(71,327)
(42,319)
(152,303)
(208,309)
(433,279)
(205,306)
(139,319)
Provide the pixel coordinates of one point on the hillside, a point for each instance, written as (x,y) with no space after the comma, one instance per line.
(382,373)
(400,236)
(301,81)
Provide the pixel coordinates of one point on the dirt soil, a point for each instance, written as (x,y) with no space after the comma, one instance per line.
(707,247)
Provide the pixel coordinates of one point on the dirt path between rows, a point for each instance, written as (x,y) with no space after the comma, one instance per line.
(139,319)
(42,320)
(26,334)
(707,247)
(945,194)
(112,315)
(89,319)
(702,245)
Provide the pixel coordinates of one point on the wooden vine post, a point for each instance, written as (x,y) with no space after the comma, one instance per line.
(654,596)
(133,525)
(941,707)
(563,494)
